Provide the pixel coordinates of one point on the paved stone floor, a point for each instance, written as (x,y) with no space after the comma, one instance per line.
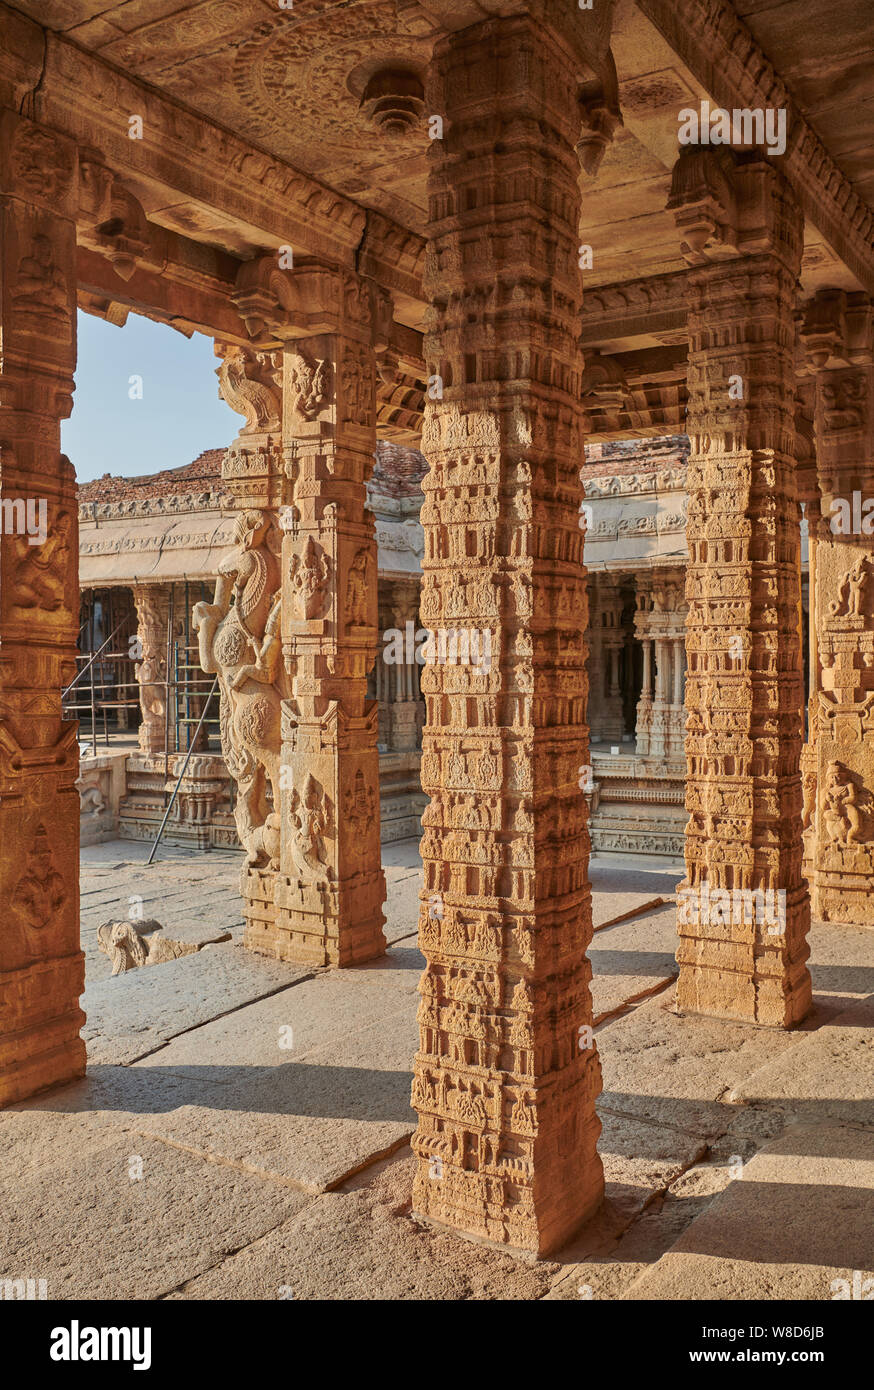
(243,1129)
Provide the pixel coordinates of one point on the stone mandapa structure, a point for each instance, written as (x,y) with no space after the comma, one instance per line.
(158,543)
(206,167)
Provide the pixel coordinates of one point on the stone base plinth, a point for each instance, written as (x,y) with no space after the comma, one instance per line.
(45,1049)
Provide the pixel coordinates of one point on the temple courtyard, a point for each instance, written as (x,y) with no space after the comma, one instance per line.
(243,1128)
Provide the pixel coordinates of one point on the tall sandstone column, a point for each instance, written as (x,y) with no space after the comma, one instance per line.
(42,969)
(744,910)
(507,1074)
(837,334)
(325,327)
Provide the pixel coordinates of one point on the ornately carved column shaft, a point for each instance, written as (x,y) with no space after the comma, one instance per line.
(842,612)
(744,910)
(332,887)
(152,605)
(42,971)
(506,1075)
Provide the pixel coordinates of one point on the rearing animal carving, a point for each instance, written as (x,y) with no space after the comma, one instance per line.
(239,639)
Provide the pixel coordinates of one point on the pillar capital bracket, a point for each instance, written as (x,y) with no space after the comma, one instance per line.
(727,205)
(280,305)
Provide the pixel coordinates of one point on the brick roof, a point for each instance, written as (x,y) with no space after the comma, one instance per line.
(398,473)
(622,456)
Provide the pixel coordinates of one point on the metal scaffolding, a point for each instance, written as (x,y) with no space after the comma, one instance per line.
(105,694)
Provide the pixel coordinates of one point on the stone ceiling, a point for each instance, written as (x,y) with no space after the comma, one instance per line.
(291,81)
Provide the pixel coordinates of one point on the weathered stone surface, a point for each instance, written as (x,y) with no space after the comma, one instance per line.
(133,1237)
(131,1015)
(41,965)
(505,1093)
(830,1073)
(631,959)
(798,1221)
(361,1243)
(307,1085)
(744,686)
(672,1069)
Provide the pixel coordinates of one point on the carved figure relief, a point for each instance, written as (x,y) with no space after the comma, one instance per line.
(854,594)
(239,638)
(39,164)
(41,573)
(357,389)
(308,576)
(359,806)
(310,821)
(357,590)
(40,285)
(248,383)
(846,807)
(40,891)
(308,383)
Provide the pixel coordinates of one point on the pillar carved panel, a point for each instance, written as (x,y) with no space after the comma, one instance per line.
(743,907)
(506,1074)
(837,333)
(42,971)
(151,670)
(238,632)
(306,577)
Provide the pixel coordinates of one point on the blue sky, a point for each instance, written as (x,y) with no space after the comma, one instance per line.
(179,415)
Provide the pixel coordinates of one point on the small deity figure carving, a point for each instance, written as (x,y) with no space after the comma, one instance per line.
(39,578)
(852,600)
(240,641)
(40,891)
(40,285)
(308,576)
(309,386)
(359,805)
(310,822)
(356,590)
(844,807)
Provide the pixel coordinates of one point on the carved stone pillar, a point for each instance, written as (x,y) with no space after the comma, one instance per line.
(837,333)
(659,721)
(152,614)
(643,606)
(329,324)
(238,633)
(42,969)
(507,1074)
(404,712)
(743,907)
(612,642)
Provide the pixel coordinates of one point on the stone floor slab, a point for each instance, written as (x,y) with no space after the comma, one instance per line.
(632,959)
(831,1072)
(92,1230)
(796,1223)
(675,1070)
(130,1015)
(361,1243)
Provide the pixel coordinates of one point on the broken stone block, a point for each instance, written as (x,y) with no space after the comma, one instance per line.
(132,944)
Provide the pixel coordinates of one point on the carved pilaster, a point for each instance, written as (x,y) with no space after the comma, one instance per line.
(321,329)
(41,965)
(839,806)
(151,670)
(239,632)
(744,910)
(506,1074)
